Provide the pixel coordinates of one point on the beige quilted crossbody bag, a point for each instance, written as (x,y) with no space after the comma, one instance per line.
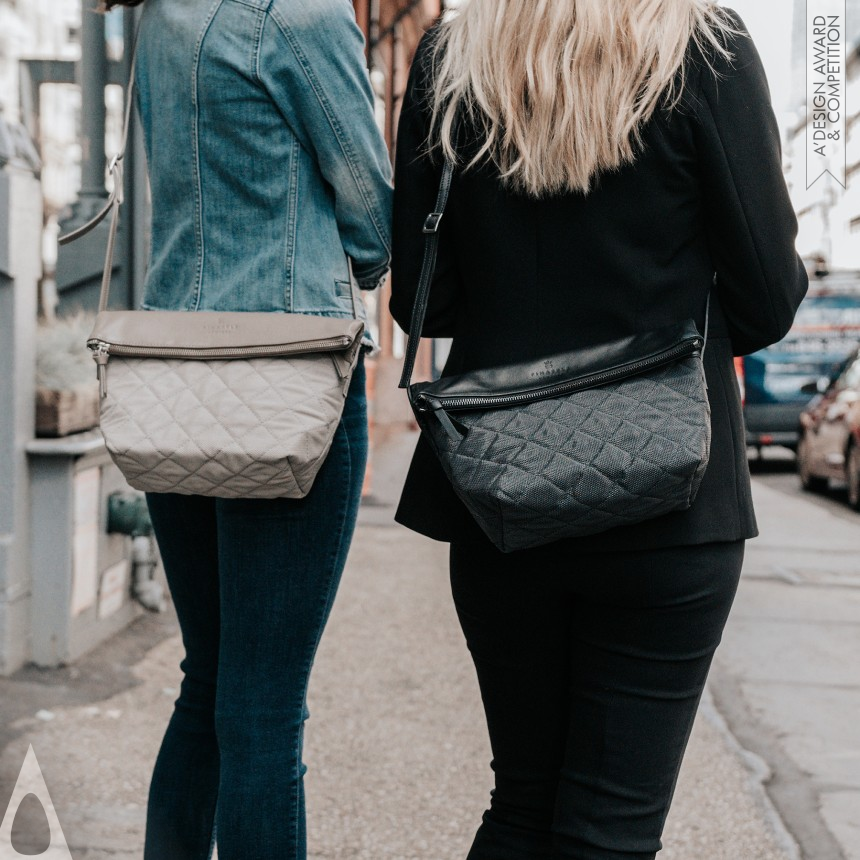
(236,404)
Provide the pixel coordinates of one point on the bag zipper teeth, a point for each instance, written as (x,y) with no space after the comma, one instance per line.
(596,379)
(104,348)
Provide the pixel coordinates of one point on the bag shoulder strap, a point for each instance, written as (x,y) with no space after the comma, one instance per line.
(114,201)
(428,269)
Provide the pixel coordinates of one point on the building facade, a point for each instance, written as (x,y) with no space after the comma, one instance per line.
(34,28)
(393,29)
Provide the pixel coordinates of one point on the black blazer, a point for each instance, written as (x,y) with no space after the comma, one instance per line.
(520,278)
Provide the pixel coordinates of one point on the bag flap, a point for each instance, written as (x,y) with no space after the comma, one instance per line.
(581,363)
(217,330)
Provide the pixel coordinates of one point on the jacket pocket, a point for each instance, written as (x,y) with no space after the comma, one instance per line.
(344,295)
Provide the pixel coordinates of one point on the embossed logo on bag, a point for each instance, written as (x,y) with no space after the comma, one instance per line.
(29,789)
(221,328)
(549,369)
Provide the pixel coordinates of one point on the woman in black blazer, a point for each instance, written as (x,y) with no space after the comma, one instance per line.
(592,653)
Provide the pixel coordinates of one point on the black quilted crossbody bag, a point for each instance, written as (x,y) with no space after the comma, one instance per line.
(575,443)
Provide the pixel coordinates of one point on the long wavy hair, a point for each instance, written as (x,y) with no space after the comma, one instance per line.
(560,89)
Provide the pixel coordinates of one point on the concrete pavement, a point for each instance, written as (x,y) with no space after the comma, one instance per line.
(396,746)
(787,676)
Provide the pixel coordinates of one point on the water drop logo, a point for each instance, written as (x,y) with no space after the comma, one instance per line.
(31,793)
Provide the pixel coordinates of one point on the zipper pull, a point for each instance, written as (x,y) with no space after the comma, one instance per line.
(448,425)
(100,355)
(454,429)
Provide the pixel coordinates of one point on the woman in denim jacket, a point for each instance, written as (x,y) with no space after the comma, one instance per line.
(267,170)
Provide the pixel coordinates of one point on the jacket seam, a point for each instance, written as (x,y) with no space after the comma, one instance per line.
(742,205)
(198,182)
(342,140)
(258,38)
(292,223)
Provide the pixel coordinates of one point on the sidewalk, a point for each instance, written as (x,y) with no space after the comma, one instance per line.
(396,746)
(786,676)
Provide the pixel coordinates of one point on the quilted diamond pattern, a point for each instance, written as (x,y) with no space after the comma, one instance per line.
(582,463)
(255,428)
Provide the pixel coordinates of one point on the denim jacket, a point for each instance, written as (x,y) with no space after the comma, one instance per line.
(266,165)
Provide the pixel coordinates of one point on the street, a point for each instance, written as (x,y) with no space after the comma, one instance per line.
(396,748)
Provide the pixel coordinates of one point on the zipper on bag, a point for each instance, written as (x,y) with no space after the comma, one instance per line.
(101,351)
(101,354)
(439,405)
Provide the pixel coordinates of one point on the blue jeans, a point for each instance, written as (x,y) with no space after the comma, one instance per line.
(253,582)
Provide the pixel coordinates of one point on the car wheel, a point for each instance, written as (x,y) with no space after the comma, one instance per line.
(810,482)
(853,475)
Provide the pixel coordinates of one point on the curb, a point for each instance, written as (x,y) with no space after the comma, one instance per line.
(759,774)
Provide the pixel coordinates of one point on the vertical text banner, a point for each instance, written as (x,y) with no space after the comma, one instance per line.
(825,90)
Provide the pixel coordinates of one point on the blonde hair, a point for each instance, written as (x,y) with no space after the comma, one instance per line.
(560,89)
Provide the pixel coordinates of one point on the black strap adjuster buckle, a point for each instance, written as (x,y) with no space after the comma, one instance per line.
(431,225)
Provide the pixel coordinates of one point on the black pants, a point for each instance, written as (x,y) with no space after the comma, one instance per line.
(591,669)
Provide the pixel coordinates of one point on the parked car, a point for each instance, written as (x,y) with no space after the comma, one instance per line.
(829,445)
(777,383)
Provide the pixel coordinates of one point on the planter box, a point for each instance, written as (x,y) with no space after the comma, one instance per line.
(59,413)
